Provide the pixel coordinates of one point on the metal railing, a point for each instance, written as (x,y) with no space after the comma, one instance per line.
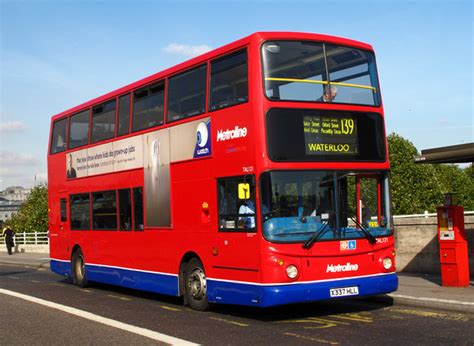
(426,214)
(33,238)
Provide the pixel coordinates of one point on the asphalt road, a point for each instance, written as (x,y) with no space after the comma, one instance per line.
(344,322)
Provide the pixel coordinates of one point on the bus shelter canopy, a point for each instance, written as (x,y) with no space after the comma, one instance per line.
(451,154)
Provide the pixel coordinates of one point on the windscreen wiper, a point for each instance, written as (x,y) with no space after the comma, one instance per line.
(307,244)
(369,236)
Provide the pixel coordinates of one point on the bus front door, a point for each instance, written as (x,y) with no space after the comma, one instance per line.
(236,255)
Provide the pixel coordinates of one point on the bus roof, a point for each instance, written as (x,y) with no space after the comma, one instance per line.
(256,37)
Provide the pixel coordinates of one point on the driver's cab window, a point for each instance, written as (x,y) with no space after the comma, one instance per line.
(368,202)
(236,198)
(366,209)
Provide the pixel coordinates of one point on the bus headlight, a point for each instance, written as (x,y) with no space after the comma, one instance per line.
(387,263)
(292,271)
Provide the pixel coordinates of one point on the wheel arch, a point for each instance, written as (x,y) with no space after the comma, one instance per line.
(74,249)
(188,256)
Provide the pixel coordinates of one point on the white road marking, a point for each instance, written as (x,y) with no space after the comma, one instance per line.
(426,299)
(96,318)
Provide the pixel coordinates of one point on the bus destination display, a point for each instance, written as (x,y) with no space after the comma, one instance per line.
(330,135)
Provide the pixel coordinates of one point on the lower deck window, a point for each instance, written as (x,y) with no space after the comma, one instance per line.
(138,208)
(104,207)
(125,208)
(80,211)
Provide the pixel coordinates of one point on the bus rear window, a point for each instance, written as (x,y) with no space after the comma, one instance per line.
(79,130)
(58,140)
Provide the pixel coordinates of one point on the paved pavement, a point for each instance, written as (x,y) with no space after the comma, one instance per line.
(414,290)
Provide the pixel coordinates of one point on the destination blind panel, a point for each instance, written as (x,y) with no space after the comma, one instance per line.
(319,135)
(326,135)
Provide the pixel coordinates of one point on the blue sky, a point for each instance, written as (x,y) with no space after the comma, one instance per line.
(58,54)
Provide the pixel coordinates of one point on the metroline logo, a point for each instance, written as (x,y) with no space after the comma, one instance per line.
(342,268)
(237,132)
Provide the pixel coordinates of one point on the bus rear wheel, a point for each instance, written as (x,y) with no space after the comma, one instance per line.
(79,274)
(196,285)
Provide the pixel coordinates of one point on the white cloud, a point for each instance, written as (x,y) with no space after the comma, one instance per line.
(9,159)
(186,49)
(11,126)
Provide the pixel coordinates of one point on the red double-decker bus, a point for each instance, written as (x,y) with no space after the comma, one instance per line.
(255,174)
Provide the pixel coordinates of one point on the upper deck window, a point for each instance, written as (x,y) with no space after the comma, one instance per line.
(298,71)
(123,115)
(148,107)
(103,121)
(229,80)
(58,140)
(79,129)
(187,94)
(352,72)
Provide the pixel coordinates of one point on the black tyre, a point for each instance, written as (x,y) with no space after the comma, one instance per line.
(79,274)
(195,285)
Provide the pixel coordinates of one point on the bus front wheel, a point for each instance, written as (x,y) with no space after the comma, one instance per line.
(79,274)
(196,286)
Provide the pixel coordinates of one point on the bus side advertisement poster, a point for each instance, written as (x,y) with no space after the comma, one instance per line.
(330,135)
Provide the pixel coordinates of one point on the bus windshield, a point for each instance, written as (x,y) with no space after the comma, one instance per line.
(298,71)
(336,204)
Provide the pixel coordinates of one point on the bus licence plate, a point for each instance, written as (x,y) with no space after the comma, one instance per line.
(344,291)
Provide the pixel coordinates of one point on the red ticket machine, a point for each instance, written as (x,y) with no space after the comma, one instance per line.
(453,246)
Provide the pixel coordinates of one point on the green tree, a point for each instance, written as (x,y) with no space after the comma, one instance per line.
(33,213)
(415,187)
(459,181)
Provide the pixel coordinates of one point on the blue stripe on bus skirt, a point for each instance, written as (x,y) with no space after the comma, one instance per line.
(233,292)
(145,281)
(265,296)
(61,267)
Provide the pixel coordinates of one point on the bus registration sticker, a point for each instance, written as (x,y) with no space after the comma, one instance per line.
(344,291)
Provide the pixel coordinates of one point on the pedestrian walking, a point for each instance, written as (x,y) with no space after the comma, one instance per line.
(8,234)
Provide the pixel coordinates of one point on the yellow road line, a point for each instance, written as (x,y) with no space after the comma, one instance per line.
(35,281)
(239,324)
(354,317)
(169,308)
(432,314)
(118,297)
(325,323)
(322,341)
